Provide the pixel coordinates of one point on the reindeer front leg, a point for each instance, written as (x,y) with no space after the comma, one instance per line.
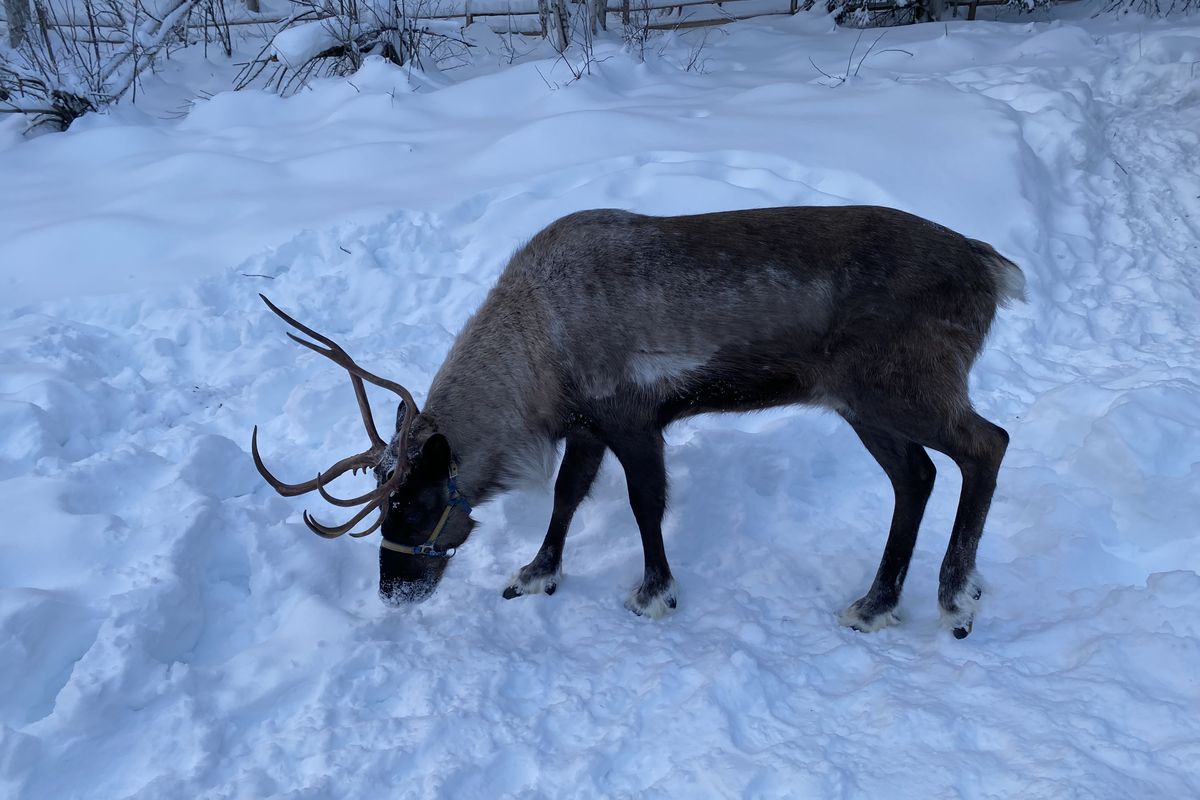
(580,463)
(641,454)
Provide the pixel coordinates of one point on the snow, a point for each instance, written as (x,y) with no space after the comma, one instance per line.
(303,41)
(169,628)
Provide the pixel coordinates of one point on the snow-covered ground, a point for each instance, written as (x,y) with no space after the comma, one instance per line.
(169,628)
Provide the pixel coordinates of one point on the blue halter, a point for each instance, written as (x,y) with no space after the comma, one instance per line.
(428,548)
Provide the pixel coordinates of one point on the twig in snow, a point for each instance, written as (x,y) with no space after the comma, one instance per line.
(826,74)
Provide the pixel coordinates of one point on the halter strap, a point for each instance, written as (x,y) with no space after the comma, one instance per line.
(428,548)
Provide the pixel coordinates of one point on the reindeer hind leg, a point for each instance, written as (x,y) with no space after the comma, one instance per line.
(912,474)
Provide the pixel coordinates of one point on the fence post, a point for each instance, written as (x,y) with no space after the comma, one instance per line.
(562,22)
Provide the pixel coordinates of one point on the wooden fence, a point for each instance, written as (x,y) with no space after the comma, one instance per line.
(554,18)
(537,17)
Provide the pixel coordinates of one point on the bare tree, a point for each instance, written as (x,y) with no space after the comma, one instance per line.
(17,14)
(1154,8)
(66,65)
(325,38)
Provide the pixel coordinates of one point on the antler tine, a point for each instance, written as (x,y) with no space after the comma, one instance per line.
(300,326)
(364,408)
(374,527)
(404,425)
(353,501)
(383,492)
(328,532)
(360,461)
(334,352)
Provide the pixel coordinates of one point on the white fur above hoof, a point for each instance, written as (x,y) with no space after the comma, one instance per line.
(535,584)
(655,605)
(858,617)
(960,618)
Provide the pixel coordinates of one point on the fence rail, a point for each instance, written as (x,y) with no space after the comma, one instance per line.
(721,12)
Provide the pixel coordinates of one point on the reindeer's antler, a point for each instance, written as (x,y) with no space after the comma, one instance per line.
(368,459)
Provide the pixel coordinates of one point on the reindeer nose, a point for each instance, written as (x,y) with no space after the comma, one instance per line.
(407,579)
(402,593)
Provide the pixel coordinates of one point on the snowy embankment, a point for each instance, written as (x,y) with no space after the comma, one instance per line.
(169,628)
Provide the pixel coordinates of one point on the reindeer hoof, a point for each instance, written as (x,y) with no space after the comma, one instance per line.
(864,616)
(652,602)
(515,591)
(959,615)
(524,583)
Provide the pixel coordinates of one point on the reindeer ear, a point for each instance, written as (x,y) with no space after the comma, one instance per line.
(435,456)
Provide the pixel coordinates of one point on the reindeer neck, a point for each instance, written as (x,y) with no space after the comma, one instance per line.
(495,397)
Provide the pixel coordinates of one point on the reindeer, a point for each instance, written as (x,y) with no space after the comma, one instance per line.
(608,325)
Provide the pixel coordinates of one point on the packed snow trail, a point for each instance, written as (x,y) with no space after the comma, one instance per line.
(169,627)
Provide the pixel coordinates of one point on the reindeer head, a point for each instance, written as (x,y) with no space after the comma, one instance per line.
(422,514)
